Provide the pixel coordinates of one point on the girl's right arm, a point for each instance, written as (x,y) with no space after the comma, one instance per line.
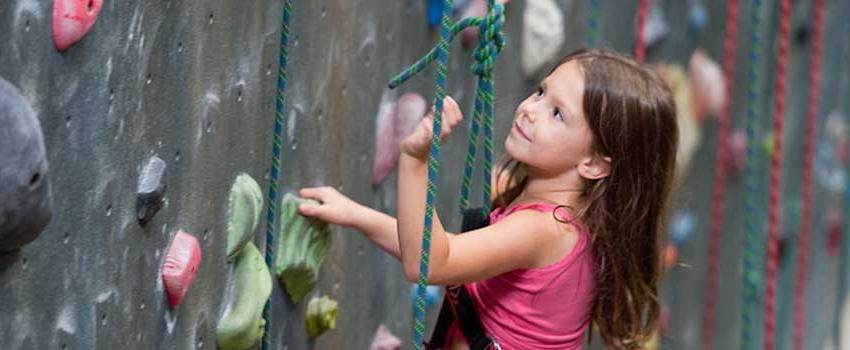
(338,209)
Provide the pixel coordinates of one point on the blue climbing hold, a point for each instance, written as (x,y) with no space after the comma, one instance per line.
(683,224)
(432,294)
(435,11)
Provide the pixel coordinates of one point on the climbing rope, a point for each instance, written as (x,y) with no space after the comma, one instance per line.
(809,150)
(593,24)
(490,43)
(640,44)
(751,274)
(275,168)
(775,177)
(721,162)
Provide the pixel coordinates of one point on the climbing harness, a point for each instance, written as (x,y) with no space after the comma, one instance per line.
(458,308)
(490,43)
(808,153)
(275,167)
(721,163)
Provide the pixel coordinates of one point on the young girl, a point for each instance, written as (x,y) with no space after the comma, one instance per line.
(576,233)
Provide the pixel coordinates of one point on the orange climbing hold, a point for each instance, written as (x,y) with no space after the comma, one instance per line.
(181,265)
(72,19)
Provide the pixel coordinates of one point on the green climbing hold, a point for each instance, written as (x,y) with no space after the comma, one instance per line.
(302,247)
(242,324)
(243,213)
(321,315)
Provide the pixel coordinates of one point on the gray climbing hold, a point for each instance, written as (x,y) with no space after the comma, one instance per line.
(304,243)
(25,198)
(151,189)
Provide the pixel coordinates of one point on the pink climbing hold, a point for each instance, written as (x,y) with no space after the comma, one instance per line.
(737,150)
(475,8)
(72,19)
(394,122)
(181,265)
(385,340)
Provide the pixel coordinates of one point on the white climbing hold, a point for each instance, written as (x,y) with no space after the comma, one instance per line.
(542,35)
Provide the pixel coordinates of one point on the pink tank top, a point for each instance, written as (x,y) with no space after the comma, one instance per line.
(539,308)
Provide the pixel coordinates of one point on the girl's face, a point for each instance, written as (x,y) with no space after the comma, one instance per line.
(549,133)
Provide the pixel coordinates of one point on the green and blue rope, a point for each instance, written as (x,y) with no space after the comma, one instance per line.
(275,168)
(751,272)
(593,24)
(490,44)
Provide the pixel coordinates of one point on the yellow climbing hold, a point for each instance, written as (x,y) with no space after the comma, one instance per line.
(302,247)
(244,205)
(321,315)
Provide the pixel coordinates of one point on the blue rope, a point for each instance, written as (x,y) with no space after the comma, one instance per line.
(490,43)
(275,168)
(751,274)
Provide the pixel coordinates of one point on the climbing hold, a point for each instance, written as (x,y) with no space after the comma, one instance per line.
(321,315)
(699,16)
(432,295)
(834,229)
(394,122)
(707,84)
(385,340)
(150,190)
(244,205)
(671,254)
(242,324)
(542,35)
(737,148)
(683,225)
(836,126)
(435,11)
(656,25)
(25,198)
(72,19)
(476,8)
(690,135)
(303,245)
(180,267)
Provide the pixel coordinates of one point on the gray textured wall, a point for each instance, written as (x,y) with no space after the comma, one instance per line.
(193,83)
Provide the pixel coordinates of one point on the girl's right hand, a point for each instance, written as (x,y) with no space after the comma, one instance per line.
(418,143)
(334,207)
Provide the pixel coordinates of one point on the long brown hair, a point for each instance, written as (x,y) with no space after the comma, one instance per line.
(631,114)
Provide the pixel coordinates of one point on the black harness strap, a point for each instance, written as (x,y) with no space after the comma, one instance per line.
(458,306)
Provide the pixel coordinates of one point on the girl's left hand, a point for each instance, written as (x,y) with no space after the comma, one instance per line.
(418,143)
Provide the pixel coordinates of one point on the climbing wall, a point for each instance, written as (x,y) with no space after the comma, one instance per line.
(193,84)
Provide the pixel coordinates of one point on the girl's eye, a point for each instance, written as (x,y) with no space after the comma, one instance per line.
(558,115)
(539,91)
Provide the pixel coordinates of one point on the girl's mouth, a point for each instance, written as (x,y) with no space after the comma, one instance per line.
(520,131)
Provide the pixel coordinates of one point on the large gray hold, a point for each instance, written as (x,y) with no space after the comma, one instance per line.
(24,190)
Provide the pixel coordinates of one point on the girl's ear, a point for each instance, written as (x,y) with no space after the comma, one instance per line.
(595,167)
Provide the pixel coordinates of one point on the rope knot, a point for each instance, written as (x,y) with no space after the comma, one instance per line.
(490,39)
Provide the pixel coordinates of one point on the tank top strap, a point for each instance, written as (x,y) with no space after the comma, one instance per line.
(500,213)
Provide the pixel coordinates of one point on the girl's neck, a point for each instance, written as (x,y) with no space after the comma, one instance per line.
(560,190)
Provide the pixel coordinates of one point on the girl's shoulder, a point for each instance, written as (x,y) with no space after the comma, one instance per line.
(553,227)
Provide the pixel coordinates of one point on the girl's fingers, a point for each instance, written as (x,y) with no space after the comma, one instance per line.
(310,192)
(310,209)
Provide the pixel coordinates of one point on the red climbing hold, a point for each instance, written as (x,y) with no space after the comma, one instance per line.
(181,264)
(72,19)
